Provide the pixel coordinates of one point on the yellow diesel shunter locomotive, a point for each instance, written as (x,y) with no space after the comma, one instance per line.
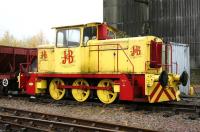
(88,61)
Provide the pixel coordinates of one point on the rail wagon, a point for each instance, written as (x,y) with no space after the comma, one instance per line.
(88,61)
(10,60)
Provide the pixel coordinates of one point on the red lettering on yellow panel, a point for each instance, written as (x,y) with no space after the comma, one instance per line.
(136,50)
(43,55)
(68,57)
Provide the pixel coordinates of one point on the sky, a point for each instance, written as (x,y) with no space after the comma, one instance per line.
(25,18)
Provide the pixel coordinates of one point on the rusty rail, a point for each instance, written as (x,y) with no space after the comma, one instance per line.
(9,127)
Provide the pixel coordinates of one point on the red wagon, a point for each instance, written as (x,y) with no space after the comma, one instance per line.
(10,59)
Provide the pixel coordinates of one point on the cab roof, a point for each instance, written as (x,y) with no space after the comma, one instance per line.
(84,25)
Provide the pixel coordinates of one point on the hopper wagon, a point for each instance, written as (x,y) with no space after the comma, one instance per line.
(10,60)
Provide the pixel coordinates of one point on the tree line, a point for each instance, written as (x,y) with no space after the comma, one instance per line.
(32,42)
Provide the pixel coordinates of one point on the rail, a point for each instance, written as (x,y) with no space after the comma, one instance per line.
(49,122)
(119,47)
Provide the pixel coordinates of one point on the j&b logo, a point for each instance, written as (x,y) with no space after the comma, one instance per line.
(68,57)
(136,50)
(43,55)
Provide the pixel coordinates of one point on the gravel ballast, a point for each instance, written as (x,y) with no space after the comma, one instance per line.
(141,119)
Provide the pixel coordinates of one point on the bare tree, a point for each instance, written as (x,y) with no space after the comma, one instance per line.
(36,40)
(31,42)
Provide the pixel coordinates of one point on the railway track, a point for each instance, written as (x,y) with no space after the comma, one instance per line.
(186,105)
(15,119)
(172,109)
(189,105)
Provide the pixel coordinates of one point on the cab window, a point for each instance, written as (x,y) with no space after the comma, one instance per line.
(68,38)
(111,35)
(90,33)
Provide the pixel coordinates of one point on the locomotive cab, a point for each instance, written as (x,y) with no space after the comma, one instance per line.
(72,47)
(79,35)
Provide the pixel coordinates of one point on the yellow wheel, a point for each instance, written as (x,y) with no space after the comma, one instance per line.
(106,96)
(80,94)
(56,93)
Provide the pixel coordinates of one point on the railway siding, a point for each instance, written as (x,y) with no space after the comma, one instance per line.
(46,122)
(121,113)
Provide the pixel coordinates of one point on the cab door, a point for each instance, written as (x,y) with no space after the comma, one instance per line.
(68,51)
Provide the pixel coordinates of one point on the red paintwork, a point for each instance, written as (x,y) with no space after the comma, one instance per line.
(168,95)
(173,92)
(155,54)
(154,91)
(126,88)
(139,85)
(102,32)
(23,81)
(129,90)
(159,94)
(32,77)
(31,89)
